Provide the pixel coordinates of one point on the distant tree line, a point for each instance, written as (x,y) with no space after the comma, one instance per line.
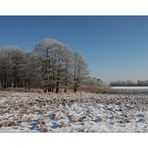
(129,83)
(92,81)
(51,66)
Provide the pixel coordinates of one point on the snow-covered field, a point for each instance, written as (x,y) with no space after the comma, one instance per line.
(130,87)
(34,112)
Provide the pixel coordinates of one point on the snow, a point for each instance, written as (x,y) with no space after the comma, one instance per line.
(34,112)
(131,87)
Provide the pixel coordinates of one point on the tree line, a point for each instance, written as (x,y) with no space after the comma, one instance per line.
(129,83)
(51,66)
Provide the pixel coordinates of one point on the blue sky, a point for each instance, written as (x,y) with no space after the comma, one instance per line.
(116,48)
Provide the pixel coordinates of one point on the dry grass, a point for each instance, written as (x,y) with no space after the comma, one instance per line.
(81,91)
(36,90)
(96,89)
(22,89)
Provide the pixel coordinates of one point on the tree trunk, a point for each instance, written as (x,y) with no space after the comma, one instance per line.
(57,87)
(75,89)
(65,90)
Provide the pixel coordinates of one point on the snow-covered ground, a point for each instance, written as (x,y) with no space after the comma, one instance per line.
(34,112)
(130,87)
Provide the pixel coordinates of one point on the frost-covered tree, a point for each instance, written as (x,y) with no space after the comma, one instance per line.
(32,71)
(51,66)
(67,67)
(55,59)
(46,51)
(80,70)
(18,67)
(5,67)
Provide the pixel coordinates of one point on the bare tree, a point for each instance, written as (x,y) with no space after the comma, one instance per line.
(62,66)
(32,71)
(5,67)
(45,50)
(11,67)
(80,70)
(18,67)
(67,68)
(55,60)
